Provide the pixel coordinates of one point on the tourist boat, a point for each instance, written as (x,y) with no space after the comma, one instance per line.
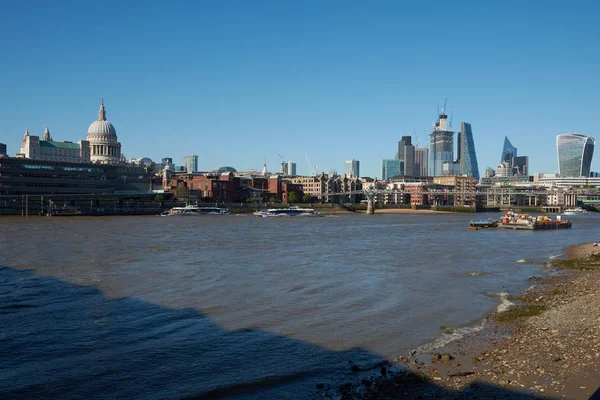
(575,211)
(289,212)
(195,210)
(483,224)
(527,222)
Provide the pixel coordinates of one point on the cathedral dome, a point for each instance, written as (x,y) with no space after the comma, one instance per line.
(101,126)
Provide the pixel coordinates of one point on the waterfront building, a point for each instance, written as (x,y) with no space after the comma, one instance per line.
(102,138)
(552,180)
(467,159)
(406,154)
(47,149)
(290,168)
(441,145)
(2,149)
(352,169)
(421,161)
(508,151)
(464,188)
(190,163)
(575,153)
(391,168)
(22,176)
(514,196)
(505,180)
(327,189)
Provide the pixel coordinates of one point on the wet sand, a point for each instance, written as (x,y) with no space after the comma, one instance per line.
(554,354)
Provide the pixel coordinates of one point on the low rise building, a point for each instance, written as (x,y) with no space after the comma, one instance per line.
(47,149)
(464,188)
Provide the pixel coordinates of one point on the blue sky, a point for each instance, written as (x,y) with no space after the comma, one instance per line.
(237,82)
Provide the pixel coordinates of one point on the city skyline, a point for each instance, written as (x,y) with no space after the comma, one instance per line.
(173,87)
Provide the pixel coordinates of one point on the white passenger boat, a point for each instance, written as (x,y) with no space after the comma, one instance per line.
(575,211)
(195,210)
(289,212)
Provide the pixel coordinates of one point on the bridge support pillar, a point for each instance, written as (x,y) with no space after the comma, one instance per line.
(370,208)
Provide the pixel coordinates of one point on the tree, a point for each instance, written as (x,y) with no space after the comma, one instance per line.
(292,197)
(306,198)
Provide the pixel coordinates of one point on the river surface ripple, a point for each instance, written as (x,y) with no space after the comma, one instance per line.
(242,307)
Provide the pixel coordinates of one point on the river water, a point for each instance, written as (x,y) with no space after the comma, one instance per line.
(243,307)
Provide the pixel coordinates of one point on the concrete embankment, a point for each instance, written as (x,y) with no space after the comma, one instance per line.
(546,345)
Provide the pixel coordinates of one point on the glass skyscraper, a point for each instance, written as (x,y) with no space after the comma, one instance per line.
(467,159)
(190,163)
(441,145)
(391,168)
(352,169)
(575,153)
(508,151)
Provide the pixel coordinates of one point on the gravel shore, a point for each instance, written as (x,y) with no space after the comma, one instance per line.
(546,346)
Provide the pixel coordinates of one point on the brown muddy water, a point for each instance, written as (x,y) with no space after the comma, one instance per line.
(244,307)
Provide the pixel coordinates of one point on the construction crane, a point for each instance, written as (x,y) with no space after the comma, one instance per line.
(416,140)
(450,123)
(312,171)
(282,165)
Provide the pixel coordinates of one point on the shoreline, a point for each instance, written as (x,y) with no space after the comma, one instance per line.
(545,345)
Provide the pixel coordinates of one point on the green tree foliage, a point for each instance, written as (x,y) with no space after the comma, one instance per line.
(306,198)
(292,197)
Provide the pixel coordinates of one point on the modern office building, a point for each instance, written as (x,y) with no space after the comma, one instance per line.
(352,169)
(421,161)
(508,151)
(467,159)
(290,168)
(2,149)
(406,154)
(575,153)
(190,163)
(102,138)
(441,145)
(391,168)
(521,165)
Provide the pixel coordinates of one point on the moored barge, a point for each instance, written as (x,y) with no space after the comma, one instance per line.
(530,223)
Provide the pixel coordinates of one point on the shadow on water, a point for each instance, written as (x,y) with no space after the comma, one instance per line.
(59,340)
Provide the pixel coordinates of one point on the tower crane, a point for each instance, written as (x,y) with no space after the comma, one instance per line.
(282,165)
(312,171)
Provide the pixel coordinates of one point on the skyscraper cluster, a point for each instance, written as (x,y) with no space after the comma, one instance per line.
(438,159)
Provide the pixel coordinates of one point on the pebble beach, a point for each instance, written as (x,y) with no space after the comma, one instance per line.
(546,345)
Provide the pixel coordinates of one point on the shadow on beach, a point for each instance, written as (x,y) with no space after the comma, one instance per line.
(60,340)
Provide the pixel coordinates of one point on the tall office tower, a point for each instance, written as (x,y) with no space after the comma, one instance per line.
(441,145)
(508,151)
(190,163)
(352,169)
(467,159)
(391,168)
(575,153)
(421,158)
(2,149)
(521,165)
(290,168)
(406,153)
